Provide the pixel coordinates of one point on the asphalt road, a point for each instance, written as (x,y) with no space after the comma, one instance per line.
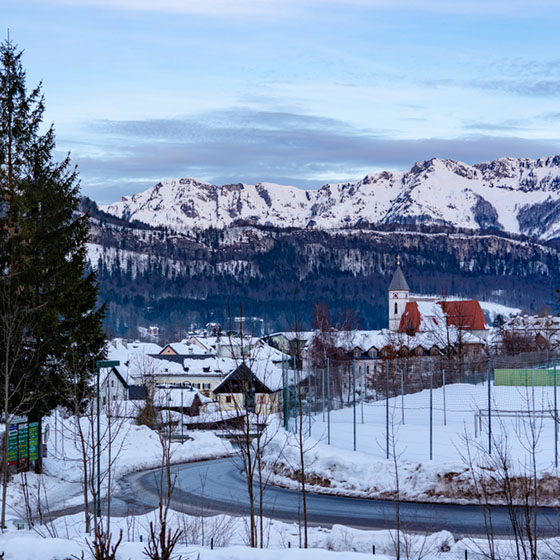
(218,486)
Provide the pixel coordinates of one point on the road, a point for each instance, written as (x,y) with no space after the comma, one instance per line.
(218,486)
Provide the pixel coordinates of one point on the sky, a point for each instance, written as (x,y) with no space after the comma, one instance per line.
(298,92)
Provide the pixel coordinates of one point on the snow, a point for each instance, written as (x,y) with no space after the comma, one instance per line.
(367,471)
(435,191)
(230,538)
(134,448)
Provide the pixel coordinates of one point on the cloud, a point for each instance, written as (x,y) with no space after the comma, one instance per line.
(244,145)
(526,88)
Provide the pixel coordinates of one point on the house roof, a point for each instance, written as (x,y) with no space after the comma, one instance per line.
(239,375)
(120,377)
(170,397)
(398,283)
(466,315)
(428,316)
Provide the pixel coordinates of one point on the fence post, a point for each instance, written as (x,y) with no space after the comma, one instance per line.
(444,403)
(328,401)
(555,421)
(323,382)
(363,384)
(354,399)
(402,395)
(431,407)
(315,386)
(387,404)
(489,406)
(309,397)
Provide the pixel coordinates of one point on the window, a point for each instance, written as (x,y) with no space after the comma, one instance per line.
(196,385)
(228,398)
(396,308)
(206,386)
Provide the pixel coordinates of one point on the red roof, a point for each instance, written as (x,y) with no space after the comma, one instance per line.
(411,319)
(465,315)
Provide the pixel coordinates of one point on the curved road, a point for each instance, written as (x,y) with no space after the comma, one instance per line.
(218,486)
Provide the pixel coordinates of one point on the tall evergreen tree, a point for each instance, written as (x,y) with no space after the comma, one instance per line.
(43,264)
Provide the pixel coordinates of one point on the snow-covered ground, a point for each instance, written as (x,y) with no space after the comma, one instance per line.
(66,538)
(134,448)
(336,468)
(229,536)
(364,472)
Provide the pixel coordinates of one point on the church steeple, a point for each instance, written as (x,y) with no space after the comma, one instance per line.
(398,297)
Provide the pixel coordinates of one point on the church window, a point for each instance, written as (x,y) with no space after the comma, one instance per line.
(396,308)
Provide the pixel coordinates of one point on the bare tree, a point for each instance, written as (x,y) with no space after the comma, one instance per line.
(247,405)
(162,538)
(513,481)
(16,355)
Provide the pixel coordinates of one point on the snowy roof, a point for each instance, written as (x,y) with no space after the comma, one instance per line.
(430,316)
(171,397)
(365,340)
(292,335)
(267,373)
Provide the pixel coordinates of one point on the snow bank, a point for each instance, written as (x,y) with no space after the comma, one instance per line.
(134,448)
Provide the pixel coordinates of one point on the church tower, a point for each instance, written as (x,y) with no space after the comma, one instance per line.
(398,297)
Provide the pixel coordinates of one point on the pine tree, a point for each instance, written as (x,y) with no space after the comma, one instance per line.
(43,264)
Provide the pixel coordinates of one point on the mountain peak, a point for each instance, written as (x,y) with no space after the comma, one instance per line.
(517,195)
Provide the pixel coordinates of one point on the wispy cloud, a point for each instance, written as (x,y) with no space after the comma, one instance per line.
(243,145)
(527,88)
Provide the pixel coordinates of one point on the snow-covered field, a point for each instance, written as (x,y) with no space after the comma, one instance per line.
(368,472)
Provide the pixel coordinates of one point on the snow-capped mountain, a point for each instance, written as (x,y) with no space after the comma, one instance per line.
(513,195)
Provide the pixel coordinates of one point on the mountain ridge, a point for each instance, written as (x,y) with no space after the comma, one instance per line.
(516,195)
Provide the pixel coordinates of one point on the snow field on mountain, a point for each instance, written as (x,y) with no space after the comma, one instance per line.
(337,469)
(516,195)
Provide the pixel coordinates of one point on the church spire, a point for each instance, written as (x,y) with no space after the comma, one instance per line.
(398,283)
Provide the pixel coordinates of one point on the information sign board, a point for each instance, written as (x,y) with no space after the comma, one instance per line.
(23,441)
(12,444)
(33,441)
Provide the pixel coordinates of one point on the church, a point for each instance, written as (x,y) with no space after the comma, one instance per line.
(413,315)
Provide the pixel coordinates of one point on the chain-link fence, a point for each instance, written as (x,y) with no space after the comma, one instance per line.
(425,407)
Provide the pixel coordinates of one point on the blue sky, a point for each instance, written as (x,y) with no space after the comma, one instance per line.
(297,92)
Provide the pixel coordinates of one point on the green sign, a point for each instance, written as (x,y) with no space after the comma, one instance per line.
(23,441)
(107,363)
(33,441)
(12,444)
